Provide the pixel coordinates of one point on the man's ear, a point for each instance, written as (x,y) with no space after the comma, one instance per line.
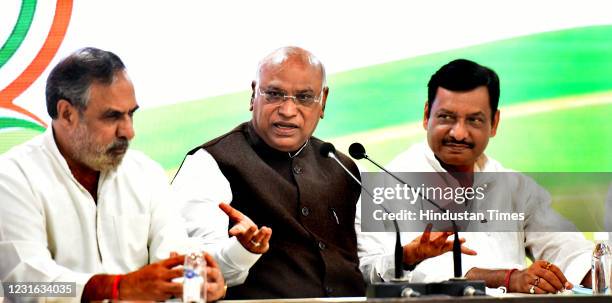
(324,101)
(67,114)
(495,123)
(253,86)
(426,115)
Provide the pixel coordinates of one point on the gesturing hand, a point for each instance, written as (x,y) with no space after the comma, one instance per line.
(245,230)
(540,278)
(431,244)
(153,281)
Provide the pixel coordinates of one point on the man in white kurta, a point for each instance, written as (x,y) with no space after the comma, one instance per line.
(76,205)
(51,229)
(460,116)
(496,250)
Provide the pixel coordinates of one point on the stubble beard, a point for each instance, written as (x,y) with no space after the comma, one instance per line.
(95,156)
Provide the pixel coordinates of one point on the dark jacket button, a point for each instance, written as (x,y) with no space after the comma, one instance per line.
(321,245)
(297,170)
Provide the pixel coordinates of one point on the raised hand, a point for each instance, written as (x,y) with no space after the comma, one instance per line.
(431,244)
(254,239)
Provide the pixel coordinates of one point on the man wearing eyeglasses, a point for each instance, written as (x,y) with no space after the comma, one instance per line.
(270,170)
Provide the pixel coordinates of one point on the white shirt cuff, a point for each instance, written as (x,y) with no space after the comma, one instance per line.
(81,280)
(578,268)
(238,255)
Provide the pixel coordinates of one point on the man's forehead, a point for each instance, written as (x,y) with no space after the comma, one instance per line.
(287,74)
(473,100)
(120,106)
(118,95)
(289,64)
(288,54)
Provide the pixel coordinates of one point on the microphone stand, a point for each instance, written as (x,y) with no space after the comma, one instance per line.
(328,150)
(457,286)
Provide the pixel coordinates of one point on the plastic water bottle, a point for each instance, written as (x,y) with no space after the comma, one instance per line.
(194,278)
(601,268)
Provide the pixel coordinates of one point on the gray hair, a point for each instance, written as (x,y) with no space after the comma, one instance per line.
(72,77)
(281,55)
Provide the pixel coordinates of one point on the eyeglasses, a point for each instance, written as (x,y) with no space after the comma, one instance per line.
(276,97)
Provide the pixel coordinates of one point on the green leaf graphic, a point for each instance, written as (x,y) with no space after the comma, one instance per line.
(6,122)
(24,21)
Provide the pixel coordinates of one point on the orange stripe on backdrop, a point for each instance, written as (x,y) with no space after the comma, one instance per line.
(63,11)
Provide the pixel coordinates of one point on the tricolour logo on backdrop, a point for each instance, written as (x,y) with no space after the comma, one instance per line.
(23,75)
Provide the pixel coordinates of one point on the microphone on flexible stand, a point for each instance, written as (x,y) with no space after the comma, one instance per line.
(458,286)
(358,152)
(328,150)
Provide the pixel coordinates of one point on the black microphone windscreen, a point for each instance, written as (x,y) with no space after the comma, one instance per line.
(357,151)
(326,148)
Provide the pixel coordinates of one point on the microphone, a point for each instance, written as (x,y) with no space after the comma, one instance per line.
(358,152)
(329,151)
(455,287)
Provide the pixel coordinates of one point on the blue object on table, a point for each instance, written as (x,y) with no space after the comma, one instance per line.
(579,290)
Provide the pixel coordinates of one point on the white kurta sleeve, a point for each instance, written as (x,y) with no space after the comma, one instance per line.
(570,251)
(167,232)
(24,253)
(200,186)
(376,252)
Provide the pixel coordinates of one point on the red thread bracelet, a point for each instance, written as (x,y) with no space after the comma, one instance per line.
(116,287)
(507,278)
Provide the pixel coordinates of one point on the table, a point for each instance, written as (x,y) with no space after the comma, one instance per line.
(507,298)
